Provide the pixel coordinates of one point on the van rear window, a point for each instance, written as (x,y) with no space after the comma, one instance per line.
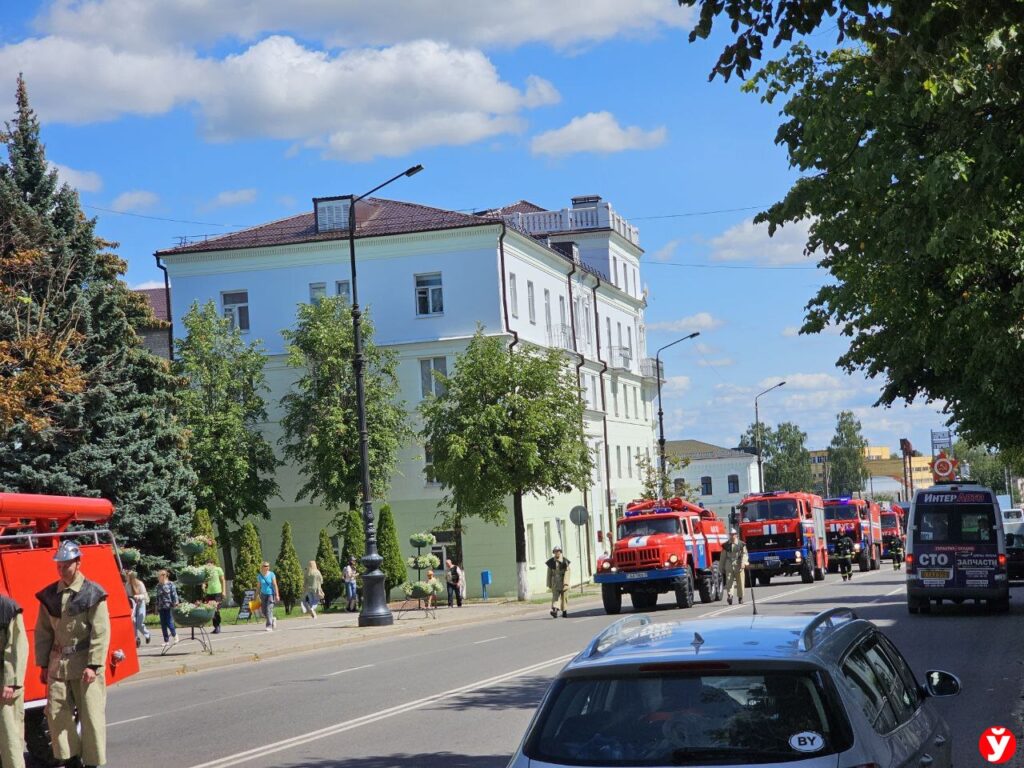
(954,523)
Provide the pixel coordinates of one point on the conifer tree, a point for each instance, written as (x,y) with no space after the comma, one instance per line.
(201,526)
(247,565)
(327,562)
(390,550)
(353,537)
(289,571)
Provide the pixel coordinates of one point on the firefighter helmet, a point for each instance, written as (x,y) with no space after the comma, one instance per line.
(67,551)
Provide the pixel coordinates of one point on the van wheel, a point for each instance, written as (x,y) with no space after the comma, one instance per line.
(612,599)
(37,739)
(926,605)
(913,606)
(1002,605)
(684,590)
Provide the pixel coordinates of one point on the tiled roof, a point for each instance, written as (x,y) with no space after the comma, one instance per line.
(522,206)
(374,217)
(157,298)
(698,449)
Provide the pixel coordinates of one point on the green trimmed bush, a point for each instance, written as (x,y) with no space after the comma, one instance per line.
(288,570)
(247,566)
(395,572)
(353,537)
(329,567)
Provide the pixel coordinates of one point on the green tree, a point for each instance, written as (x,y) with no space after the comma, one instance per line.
(201,526)
(327,562)
(911,169)
(790,466)
(113,430)
(320,423)
(353,536)
(289,571)
(247,565)
(390,550)
(506,424)
(651,481)
(223,407)
(847,468)
(981,465)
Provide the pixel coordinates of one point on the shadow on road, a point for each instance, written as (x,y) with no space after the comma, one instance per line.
(523,693)
(405,760)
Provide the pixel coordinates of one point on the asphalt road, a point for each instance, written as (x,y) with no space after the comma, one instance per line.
(462,698)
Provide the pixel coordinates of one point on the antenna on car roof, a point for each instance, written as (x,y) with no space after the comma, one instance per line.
(753,597)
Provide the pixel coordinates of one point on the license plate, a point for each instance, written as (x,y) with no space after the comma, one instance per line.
(940,575)
(637,575)
(772,562)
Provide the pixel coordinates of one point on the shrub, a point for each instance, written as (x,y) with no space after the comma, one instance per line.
(202,527)
(247,567)
(390,550)
(354,539)
(288,570)
(329,567)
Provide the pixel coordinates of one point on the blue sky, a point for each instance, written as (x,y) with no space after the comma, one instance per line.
(228,113)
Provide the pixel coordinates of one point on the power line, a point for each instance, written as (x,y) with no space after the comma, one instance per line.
(723,266)
(697,213)
(161,218)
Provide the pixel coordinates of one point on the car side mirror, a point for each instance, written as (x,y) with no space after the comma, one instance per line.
(939,683)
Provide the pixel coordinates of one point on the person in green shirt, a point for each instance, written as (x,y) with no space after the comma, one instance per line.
(215,588)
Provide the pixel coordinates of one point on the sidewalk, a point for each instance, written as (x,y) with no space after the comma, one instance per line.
(250,642)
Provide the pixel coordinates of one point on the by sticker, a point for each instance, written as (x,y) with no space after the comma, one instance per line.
(807,741)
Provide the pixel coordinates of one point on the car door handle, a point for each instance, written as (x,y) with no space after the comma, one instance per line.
(926,760)
(940,741)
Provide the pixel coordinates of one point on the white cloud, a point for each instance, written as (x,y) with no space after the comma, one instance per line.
(232,197)
(595,132)
(804,381)
(148,284)
(666,252)
(723,362)
(750,242)
(702,321)
(83,181)
(791,331)
(135,200)
(675,385)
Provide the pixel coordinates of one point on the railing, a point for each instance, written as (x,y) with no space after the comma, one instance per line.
(621,357)
(560,337)
(652,368)
(571,219)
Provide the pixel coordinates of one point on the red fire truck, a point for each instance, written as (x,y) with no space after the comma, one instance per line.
(663,545)
(31,528)
(861,520)
(785,535)
(893,524)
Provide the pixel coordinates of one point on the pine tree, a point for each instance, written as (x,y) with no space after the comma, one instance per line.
(353,537)
(390,550)
(290,573)
(327,562)
(247,565)
(201,526)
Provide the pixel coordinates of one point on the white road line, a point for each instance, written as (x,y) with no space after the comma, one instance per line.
(350,669)
(895,592)
(491,639)
(125,722)
(348,725)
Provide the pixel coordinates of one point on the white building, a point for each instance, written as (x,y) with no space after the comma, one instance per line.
(565,278)
(721,476)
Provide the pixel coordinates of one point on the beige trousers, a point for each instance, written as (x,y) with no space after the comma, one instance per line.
(12,732)
(91,701)
(734,580)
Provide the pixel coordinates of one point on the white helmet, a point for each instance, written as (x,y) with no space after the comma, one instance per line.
(67,551)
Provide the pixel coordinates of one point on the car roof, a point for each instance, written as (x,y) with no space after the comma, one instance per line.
(637,640)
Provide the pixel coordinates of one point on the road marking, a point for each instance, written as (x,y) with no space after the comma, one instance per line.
(895,592)
(348,725)
(125,722)
(491,639)
(350,669)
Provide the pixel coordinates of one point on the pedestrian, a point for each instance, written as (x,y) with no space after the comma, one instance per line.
(140,599)
(349,574)
(71,644)
(734,563)
(214,590)
(453,581)
(558,582)
(844,555)
(432,584)
(166,600)
(269,594)
(13,664)
(312,589)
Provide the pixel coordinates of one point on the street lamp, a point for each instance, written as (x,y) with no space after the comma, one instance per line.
(661,413)
(757,437)
(375,611)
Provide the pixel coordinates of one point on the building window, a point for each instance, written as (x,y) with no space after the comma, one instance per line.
(615,399)
(625,399)
(618,461)
(429,385)
(547,310)
(625,277)
(636,407)
(587,333)
(317,291)
(428,465)
(531,307)
(629,461)
(547,536)
(615,271)
(561,309)
(679,486)
(629,339)
(593,384)
(343,288)
(513,294)
(734,483)
(705,486)
(531,555)
(608,335)
(429,296)
(236,309)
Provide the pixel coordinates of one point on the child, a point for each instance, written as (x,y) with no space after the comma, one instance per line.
(166,600)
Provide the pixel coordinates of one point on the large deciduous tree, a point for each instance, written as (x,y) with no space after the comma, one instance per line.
(908,142)
(507,424)
(847,468)
(224,407)
(790,467)
(981,465)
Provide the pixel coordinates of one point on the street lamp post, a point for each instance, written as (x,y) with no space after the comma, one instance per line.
(757,437)
(661,413)
(375,611)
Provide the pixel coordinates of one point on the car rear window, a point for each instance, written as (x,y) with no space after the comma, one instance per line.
(954,523)
(684,719)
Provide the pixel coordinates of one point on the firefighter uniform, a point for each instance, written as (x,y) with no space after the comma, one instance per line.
(14,652)
(896,552)
(734,563)
(72,635)
(844,554)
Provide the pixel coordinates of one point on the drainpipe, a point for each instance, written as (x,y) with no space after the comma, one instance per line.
(170,314)
(604,417)
(579,384)
(504,287)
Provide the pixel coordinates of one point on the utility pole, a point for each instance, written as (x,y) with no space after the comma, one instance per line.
(757,437)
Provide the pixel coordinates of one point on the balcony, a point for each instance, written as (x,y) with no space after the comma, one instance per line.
(598,216)
(560,337)
(621,358)
(652,369)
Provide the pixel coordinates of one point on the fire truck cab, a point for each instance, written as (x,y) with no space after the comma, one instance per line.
(861,520)
(785,535)
(893,524)
(663,545)
(31,528)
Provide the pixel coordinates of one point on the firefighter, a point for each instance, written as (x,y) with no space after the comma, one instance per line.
(14,658)
(71,642)
(844,554)
(734,563)
(896,552)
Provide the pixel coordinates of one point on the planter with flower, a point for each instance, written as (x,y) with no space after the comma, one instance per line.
(196,545)
(192,575)
(193,615)
(129,556)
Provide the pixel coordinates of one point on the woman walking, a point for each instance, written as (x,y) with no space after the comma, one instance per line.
(166,599)
(349,575)
(269,594)
(312,589)
(140,597)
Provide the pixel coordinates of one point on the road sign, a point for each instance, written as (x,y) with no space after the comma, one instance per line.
(942,438)
(579,515)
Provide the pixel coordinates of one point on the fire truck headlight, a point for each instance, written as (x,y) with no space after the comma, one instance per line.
(614,569)
(797,555)
(856,547)
(673,559)
(606,565)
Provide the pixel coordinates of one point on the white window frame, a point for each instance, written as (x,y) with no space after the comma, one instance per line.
(428,463)
(636,407)
(237,311)
(547,310)
(608,340)
(629,461)
(561,309)
(625,400)
(343,288)
(513,295)
(431,364)
(547,536)
(615,271)
(618,461)
(531,306)
(531,555)
(430,292)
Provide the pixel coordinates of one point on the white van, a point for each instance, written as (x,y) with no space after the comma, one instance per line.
(956,548)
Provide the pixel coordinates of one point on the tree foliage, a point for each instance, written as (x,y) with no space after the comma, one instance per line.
(289,571)
(202,526)
(247,565)
(847,469)
(224,407)
(784,455)
(912,168)
(654,487)
(353,536)
(327,562)
(320,423)
(390,550)
(506,424)
(981,465)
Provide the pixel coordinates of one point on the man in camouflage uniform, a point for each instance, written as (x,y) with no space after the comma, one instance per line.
(13,661)
(71,642)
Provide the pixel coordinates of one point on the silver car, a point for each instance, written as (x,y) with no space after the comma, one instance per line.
(829,690)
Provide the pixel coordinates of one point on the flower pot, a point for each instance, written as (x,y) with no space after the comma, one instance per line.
(129,555)
(193,548)
(197,617)
(191,578)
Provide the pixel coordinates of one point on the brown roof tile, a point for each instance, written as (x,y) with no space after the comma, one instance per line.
(157,298)
(521,206)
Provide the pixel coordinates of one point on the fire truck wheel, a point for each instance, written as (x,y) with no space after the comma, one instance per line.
(37,740)
(862,561)
(819,574)
(716,570)
(806,574)
(684,590)
(764,579)
(706,587)
(876,561)
(612,598)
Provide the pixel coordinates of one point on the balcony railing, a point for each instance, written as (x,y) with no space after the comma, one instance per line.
(622,358)
(652,368)
(560,337)
(600,216)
